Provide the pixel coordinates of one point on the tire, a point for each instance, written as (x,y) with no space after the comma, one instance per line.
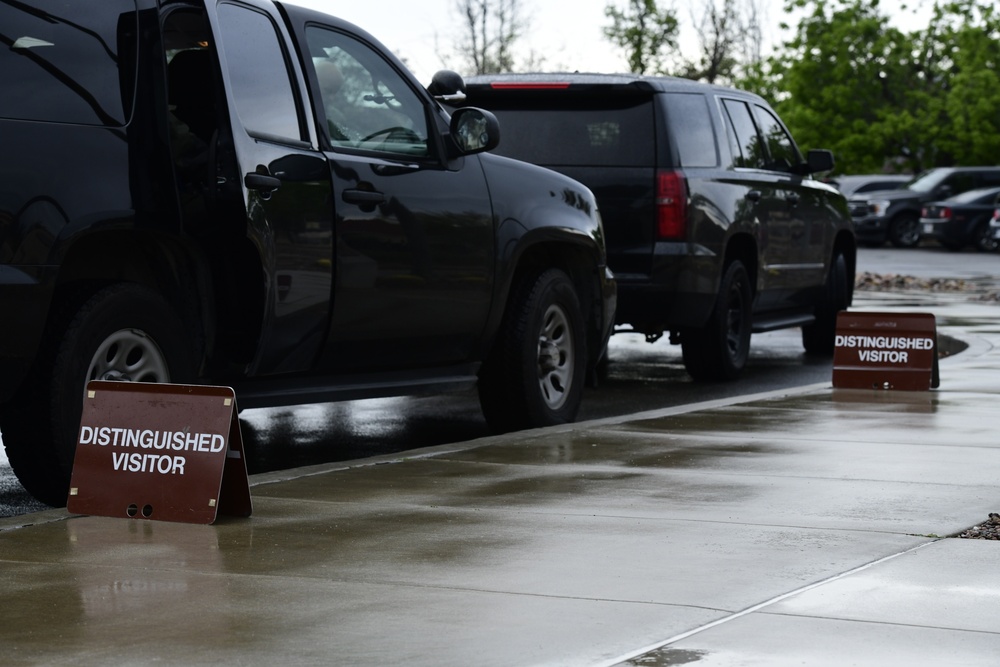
(124,332)
(719,351)
(983,238)
(535,373)
(818,338)
(904,230)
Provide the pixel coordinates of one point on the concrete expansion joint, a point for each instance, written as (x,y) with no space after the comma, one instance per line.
(763,605)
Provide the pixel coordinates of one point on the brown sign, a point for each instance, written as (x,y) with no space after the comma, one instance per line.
(159,451)
(885,351)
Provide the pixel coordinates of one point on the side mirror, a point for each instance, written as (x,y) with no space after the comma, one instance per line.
(818,160)
(474,130)
(447,86)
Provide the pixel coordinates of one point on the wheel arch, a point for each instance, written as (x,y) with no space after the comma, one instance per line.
(845,244)
(577,259)
(741,247)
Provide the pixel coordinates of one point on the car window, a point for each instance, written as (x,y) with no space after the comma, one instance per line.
(567,133)
(67,62)
(780,147)
(262,85)
(961,181)
(368,105)
(748,150)
(692,129)
(990,179)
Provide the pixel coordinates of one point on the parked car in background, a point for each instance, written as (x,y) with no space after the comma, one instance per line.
(715,225)
(995,225)
(894,215)
(256,195)
(962,220)
(856,184)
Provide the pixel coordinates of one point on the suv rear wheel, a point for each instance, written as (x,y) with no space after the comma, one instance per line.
(719,351)
(125,333)
(535,374)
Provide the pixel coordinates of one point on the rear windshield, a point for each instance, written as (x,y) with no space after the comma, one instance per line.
(602,136)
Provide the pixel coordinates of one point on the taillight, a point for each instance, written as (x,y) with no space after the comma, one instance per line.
(671,205)
(945,213)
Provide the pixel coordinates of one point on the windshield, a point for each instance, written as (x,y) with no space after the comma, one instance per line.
(928,180)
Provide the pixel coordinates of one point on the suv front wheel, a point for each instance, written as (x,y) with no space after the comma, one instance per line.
(719,351)
(536,371)
(904,230)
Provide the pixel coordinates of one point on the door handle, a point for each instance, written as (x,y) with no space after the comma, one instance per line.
(261,182)
(363,197)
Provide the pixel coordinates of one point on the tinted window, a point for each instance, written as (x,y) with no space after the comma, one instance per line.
(368,105)
(748,151)
(990,178)
(691,126)
(961,181)
(577,136)
(262,87)
(60,61)
(780,147)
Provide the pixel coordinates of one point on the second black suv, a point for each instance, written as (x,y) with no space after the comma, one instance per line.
(715,227)
(894,215)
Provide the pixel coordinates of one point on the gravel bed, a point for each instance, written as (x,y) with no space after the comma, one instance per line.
(988,530)
(979,290)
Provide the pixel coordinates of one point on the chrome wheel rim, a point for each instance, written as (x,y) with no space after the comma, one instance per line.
(128,355)
(555,357)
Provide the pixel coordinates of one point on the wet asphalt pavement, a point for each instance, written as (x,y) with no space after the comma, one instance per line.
(806,526)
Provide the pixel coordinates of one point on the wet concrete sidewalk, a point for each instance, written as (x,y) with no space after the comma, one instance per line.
(805,527)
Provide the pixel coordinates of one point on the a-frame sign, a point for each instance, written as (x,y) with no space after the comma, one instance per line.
(167,452)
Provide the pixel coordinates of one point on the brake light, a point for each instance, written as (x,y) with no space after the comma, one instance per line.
(945,213)
(554,85)
(671,205)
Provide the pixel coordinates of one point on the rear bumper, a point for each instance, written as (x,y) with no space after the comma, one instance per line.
(680,292)
(870,228)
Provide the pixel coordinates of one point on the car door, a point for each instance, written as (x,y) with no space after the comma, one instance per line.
(285,183)
(414,232)
(767,204)
(807,215)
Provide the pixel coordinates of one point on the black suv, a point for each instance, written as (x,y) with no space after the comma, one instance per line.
(894,215)
(714,225)
(260,196)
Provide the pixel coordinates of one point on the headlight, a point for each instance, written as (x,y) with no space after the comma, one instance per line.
(878,207)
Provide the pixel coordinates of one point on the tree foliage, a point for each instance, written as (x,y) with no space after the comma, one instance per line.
(492,29)
(881,98)
(646,32)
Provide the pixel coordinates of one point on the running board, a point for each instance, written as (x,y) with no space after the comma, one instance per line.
(782,321)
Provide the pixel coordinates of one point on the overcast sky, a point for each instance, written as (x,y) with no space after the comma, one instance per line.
(567,35)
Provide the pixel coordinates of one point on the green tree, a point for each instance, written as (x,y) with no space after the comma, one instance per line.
(880,98)
(960,53)
(646,32)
